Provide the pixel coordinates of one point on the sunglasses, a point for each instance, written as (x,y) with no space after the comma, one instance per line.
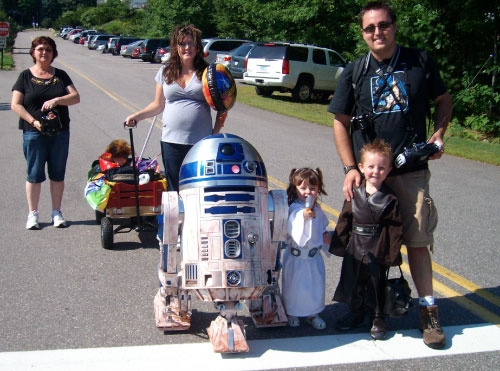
(382,26)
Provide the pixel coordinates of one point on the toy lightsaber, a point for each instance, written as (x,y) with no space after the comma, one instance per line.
(309,202)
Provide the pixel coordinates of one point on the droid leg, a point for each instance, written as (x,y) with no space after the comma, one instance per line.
(268,311)
(172,306)
(226,332)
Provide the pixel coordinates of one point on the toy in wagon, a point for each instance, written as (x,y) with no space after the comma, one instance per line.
(120,187)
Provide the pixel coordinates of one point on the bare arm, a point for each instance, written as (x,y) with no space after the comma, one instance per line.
(341,125)
(66,100)
(220,118)
(17,106)
(152,109)
(442,116)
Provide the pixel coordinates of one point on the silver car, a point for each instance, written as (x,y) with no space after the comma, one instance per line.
(214,46)
(238,57)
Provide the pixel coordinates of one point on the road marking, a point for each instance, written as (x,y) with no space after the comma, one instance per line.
(311,351)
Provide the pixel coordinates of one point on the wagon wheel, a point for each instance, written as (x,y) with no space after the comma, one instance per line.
(107,233)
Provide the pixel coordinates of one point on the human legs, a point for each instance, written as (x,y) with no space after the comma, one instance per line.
(33,195)
(56,164)
(172,155)
(420,220)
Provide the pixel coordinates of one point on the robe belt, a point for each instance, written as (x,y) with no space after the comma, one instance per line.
(304,252)
(372,230)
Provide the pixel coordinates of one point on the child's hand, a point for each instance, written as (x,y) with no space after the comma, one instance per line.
(308,214)
(327,238)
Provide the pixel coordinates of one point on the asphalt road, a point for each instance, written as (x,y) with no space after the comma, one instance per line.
(60,290)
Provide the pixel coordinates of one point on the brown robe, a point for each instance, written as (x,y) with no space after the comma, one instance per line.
(367,255)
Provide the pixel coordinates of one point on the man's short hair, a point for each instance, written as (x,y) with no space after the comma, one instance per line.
(377,5)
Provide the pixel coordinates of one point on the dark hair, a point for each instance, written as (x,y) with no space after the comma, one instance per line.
(297,176)
(173,68)
(43,40)
(377,146)
(119,148)
(377,5)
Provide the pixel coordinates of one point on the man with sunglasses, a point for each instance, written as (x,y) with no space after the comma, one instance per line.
(385,94)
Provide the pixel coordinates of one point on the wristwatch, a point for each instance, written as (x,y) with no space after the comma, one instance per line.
(349,168)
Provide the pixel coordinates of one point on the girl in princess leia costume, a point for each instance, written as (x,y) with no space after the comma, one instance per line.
(303,277)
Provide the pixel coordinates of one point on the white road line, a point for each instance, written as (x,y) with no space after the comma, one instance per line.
(264,354)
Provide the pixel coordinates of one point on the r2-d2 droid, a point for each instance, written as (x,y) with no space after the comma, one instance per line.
(230,228)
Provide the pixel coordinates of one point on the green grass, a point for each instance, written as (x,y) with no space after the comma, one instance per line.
(316,112)
(8,62)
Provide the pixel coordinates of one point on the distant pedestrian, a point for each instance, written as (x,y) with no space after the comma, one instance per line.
(44,89)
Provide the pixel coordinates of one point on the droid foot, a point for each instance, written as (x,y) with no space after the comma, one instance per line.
(227,336)
(271,314)
(170,317)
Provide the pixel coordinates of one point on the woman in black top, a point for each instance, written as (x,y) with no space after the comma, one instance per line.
(42,91)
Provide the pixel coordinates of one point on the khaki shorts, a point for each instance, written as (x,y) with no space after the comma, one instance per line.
(417,208)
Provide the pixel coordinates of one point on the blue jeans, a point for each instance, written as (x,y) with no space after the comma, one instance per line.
(40,150)
(173,154)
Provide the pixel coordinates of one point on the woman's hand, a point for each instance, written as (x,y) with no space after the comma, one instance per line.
(37,125)
(48,105)
(130,121)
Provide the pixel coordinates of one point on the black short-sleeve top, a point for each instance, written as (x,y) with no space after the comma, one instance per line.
(36,91)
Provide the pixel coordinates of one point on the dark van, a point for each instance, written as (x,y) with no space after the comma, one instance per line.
(148,48)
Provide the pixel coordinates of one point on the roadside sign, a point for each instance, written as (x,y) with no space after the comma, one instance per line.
(3,42)
(4,29)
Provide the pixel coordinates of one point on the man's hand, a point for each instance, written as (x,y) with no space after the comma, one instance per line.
(352,178)
(436,138)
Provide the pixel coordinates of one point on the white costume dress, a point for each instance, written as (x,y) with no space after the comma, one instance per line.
(303,278)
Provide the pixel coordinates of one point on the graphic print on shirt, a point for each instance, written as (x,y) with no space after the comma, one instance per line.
(389,93)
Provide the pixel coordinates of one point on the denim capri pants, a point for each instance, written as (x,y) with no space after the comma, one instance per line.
(40,149)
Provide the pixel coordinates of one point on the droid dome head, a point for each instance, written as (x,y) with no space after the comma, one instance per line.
(222,160)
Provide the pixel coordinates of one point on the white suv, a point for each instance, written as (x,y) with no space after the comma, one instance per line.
(299,68)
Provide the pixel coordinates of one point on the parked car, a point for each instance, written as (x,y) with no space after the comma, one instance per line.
(75,37)
(149,47)
(160,52)
(165,57)
(84,34)
(237,59)
(122,40)
(213,46)
(71,33)
(297,68)
(126,50)
(110,44)
(136,51)
(97,40)
(65,31)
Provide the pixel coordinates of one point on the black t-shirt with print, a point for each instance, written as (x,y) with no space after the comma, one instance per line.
(392,117)
(37,91)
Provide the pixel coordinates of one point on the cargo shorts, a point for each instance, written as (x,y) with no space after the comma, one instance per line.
(417,208)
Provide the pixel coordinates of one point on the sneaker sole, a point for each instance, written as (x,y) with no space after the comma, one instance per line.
(33,228)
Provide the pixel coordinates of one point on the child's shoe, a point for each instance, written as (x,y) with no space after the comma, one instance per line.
(350,320)
(293,321)
(379,328)
(316,322)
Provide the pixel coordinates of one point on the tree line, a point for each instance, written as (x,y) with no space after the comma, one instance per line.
(462,45)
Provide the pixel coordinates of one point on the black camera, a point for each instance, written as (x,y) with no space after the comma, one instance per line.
(417,152)
(363,122)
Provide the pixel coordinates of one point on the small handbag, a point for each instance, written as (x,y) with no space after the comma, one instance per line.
(398,299)
(51,123)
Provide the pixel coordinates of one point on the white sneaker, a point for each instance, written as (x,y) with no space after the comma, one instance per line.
(32,222)
(58,219)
